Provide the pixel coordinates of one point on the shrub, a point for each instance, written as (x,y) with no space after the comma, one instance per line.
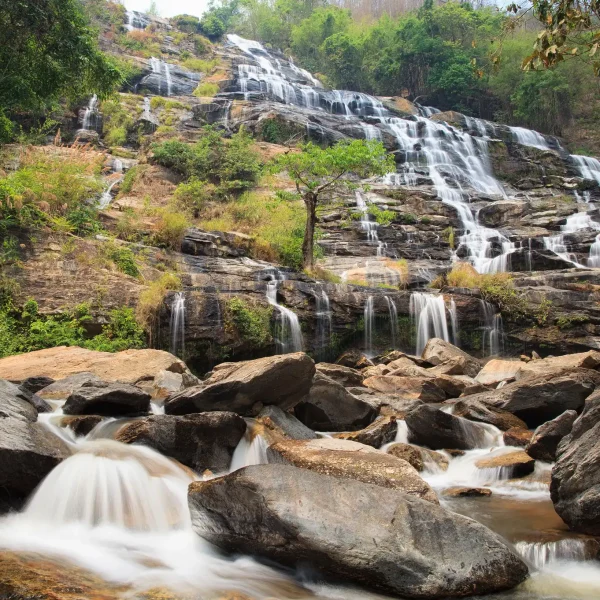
(152,299)
(383,217)
(211,26)
(200,65)
(121,333)
(170,230)
(124,259)
(206,90)
(201,44)
(116,136)
(186,23)
(190,197)
(249,322)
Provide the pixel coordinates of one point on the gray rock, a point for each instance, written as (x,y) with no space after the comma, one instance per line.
(383,431)
(107,399)
(343,375)
(284,424)
(438,351)
(245,387)
(478,411)
(330,407)
(547,436)
(372,536)
(35,384)
(14,403)
(63,388)
(199,441)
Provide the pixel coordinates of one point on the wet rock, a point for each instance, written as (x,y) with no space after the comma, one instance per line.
(200,441)
(575,485)
(478,411)
(418,457)
(383,431)
(343,375)
(498,370)
(538,399)
(62,389)
(129,366)
(245,387)
(346,459)
(376,537)
(179,82)
(547,436)
(14,403)
(466,492)
(517,436)
(330,407)
(81,425)
(166,383)
(417,388)
(519,462)
(438,351)
(284,424)
(108,399)
(453,386)
(429,426)
(28,452)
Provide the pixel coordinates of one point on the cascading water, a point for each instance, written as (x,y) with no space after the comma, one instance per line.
(588,167)
(528,137)
(177,325)
(575,222)
(289,338)
(594,257)
(393,311)
(252,449)
(428,315)
(106,197)
(493,329)
(324,321)
(369,322)
(370,227)
(162,70)
(90,116)
(454,322)
(541,554)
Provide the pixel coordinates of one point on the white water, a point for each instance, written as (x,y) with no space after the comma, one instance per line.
(428,314)
(594,258)
(588,167)
(162,70)
(177,325)
(324,320)
(106,197)
(493,329)
(401,435)
(540,554)
(369,322)
(528,137)
(393,311)
(454,322)
(90,116)
(252,449)
(289,338)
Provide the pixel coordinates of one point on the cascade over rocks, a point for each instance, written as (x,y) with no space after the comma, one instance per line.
(475,410)
(518,462)
(376,537)
(347,459)
(548,436)
(110,399)
(328,406)
(199,441)
(417,456)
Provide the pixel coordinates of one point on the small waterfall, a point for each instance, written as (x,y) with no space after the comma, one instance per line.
(393,320)
(324,321)
(252,449)
(539,554)
(167,68)
(493,329)
(91,115)
(147,114)
(106,197)
(594,258)
(117,165)
(575,222)
(370,227)
(528,137)
(401,435)
(369,319)
(158,68)
(428,314)
(454,322)
(177,325)
(588,167)
(290,334)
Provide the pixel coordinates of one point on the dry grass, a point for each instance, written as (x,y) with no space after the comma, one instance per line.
(464,275)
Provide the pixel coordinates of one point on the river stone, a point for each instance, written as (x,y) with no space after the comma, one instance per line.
(555,364)
(284,424)
(404,367)
(245,387)
(418,457)
(373,536)
(538,399)
(62,389)
(575,485)
(518,461)
(498,370)
(478,411)
(14,403)
(457,365)
(438,351)
(35,384)
(28,452)
(200,441)
(429,426)
(517,436)
(383,431)
(343,375)
(547,436)
(330,407)
(107,399)
(81,425)
(466,492)
(346,459)
(417,388)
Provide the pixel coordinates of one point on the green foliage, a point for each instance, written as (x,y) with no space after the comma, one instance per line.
(122,332)
(117,120)
(170,230)
(570,321)
(186,23)
(201,65)
(152,299)
(206,90)
(250,323)
(276,131)
(211,26)
(383,217)
(124,259)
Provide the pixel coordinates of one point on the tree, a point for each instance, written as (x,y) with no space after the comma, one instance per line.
(319,173)
(48,51)
(153,9)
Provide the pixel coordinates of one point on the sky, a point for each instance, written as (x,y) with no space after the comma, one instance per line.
(170,8)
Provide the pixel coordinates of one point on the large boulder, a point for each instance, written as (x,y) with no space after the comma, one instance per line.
(343,375)
(429,426)
(346,459)
(418,457)
(417,388)
(130,366)
(575,485)
(538,399)
(14,403)
(28,452)
(478,411)
(328,406)
(108,399)
(200,441)
(556,364)
(284,424)
(498,370)
(547,436)
(245,387)
(62,389)
(438,351)
(375,537)
(380,432)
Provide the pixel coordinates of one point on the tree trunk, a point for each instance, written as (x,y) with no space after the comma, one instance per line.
(310,200)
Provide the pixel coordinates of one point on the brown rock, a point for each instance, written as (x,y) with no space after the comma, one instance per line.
(383,431)
(478,411)
(555,364)
(465,492)
(418,457)
(517,436)
(471,390)
(343,375)
(352,359)
(548,436)
(457,365)
(497,370)
(81,425)
(416,388)
(350,460)
(520,463)
(404,367)
(438,351)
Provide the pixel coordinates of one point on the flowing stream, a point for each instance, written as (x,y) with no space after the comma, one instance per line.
(289,338)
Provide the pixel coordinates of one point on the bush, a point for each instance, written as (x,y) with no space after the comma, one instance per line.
(198,64)
(186,23)
(170,230)
(211,26)
(122,332)
(124,259)
(116,136)
(206,90)
(250,323)
(152,299)
(190,197)
(383,217)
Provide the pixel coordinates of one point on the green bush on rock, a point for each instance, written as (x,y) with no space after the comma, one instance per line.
(248,322)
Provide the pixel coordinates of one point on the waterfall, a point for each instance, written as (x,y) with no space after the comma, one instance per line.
(91,114)
(117,165)
(369,319)
(539,554)
(290,334)
(594,258)
(370,227)
(528,137)
(158,68)
(493,329)
(588,167)
(167,68)
(177,325)
(252,449)
(324,321)
(106,197)
(428,314)
(454,322)
(393,320)
(147,114)
(575,222)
